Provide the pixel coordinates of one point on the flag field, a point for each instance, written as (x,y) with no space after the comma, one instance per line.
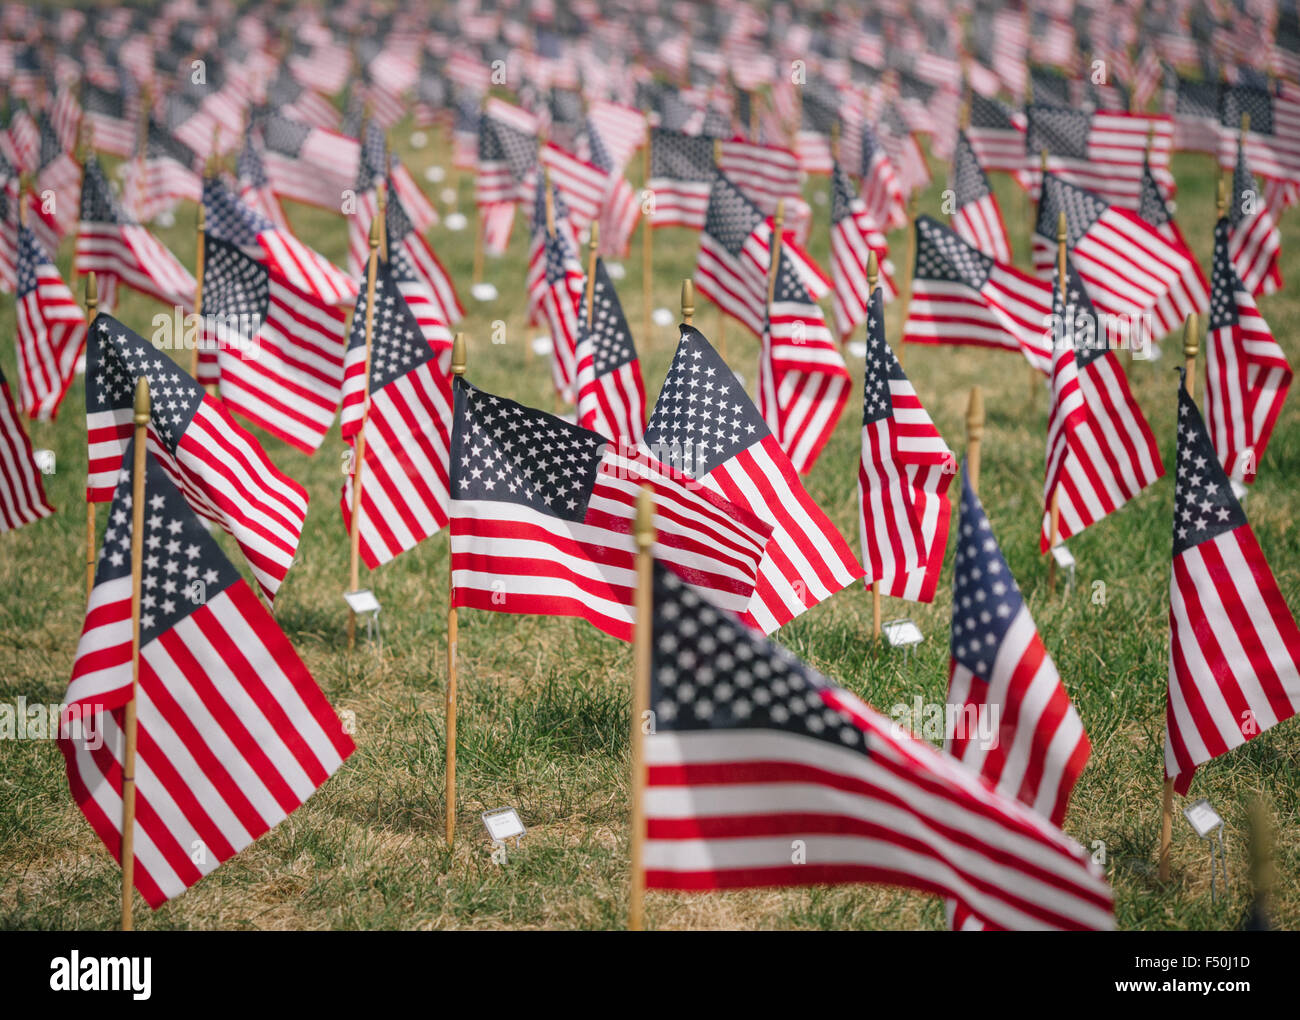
(544,702)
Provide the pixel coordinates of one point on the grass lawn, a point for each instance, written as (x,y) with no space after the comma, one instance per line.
(544,703)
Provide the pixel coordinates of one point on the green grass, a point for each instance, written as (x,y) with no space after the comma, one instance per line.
(544,702)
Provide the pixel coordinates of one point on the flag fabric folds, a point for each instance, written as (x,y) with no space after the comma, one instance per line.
(233,732)
(51,330)
(752,748)
(1234,665)
(611,393)
(22,496)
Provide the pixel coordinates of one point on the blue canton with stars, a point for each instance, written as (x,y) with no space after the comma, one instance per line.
(942,255)
(1151,204)
(397,344)
(731,217)
(1082,209)
(1075,319)
(397,225)
(234,284)
(182,567)
(611,339)
(1224,282)
(1243,182)
(504,451)
(842,195)
(711,672)
(969,181)
(985,597)
(1204,504)
(1060,130)
(116,357)
(703,416)
(680,157)
(97,202)
(881,365)
(229,218)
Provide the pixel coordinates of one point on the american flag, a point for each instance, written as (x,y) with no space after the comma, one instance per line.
(307,164)
(611,393)
(112,245)
(681,178)
(620,204)
(1105,151)
(584,185)
(542,516)
(229,218)
(1254,241)
(731,265)
(555,286)
(295,100)
(903,476)
(621,129)
(1129,268)
(254,185)
(222,470)
(507,156)
(704,424)
(1101,452)
(996,135)
(407,420)
(1272,142)
(1196,115)
(233,733)
(112,118)
(163,176)
(9,221)
(1246,372)
(1000,671)
(854,236)
(22,497)
(976,217)
(882,189)
(61,174)
(406,245)
(752,749)
(1234,664)
(51,330)
(277,351)
(905,155)
(803,383)
(765,173)
(961,296)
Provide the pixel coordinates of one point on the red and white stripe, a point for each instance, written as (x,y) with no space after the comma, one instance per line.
(979,223)
(290,379)
(22,497)
(1117,151)
(51,334)
(853,239)
(134,256)
(232,734)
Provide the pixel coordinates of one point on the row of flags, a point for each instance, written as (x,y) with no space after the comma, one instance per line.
(545,506)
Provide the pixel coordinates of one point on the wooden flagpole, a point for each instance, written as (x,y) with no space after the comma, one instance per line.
(381,215)
(592,243)
(1190,351)
(138,468)
(1062,257)
(974,436)
(458,362)
(359,455)
(642,632)
(774,266)
(873,278)
(92,309)
(688,302)
(647,241)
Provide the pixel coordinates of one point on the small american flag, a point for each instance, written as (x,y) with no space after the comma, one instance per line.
(1254,241)
(681,178)
(59,173)
(1196,115)
(542,516)
(903,476)
(233,733)
(22,497)
(407,246)
(1101,452)
(8,227)
(995,136)
(1000,671)
(961,296)
(1273,141)
(165,175)
(620,205)
(611,393)
(1103,151)
(730,267)
(803,383)
(704,424)
(229,218)
(222,470)
(1234,665)
(555,287)
(621,129)
(976,217)
(405,470)
(276,351)
(51,331)
(752,749)
(1129,268)
(307,164)
(854,236)
(112,245)
(254,185)
(112,118)
(765,173)
(507,156)
(584,185)
(1246,372)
